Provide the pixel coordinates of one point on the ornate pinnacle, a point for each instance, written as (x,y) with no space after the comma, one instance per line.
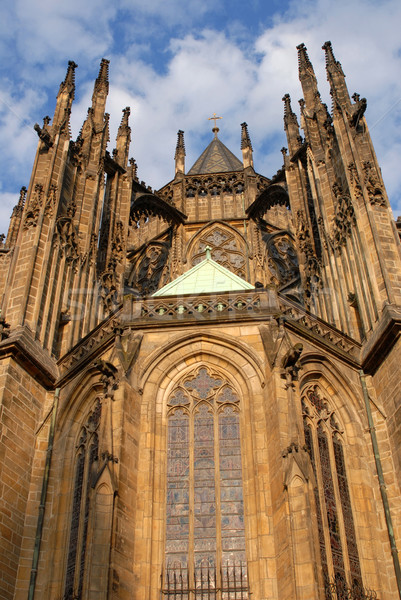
(18,208)
(180,148)
(179,156)
(69,81)
(22,196)
(124,125)
(288,112)
(331,62)
(304,63)
(245,139)
(102,81)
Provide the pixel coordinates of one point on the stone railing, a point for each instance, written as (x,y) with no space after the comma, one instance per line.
(260,305)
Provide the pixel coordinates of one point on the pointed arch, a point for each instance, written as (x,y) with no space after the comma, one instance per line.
(228,247)
(86,459)
(326,418)
(165,396)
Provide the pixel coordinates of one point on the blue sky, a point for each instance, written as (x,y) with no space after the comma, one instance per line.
(176,62)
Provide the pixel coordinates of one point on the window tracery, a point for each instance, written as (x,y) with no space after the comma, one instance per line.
(86,456)
(226,249)
(205,536)
(336,530)
(282,258)
(150,270)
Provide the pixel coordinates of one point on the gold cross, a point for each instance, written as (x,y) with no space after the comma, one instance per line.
(214,118)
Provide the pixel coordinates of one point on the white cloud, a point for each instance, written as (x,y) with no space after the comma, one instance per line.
(209,69)
(7,203)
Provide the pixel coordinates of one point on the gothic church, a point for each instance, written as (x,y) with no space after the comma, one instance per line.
(199,386)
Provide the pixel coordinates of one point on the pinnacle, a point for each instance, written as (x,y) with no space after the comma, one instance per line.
(69,81)
(303,59)
(245,139)
(180,148)
(124,120)
(287,105)
(330,58)
(102,80)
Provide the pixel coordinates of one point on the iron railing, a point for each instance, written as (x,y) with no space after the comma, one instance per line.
(206,583)
(338,589)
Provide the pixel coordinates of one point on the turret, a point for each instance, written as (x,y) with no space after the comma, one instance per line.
(123,138)
(291,126)
(246,147)
(180,153)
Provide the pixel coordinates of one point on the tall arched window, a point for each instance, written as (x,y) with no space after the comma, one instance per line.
(205,536)
(338,548)
(85,458)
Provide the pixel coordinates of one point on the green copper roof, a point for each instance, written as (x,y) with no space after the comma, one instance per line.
(217,158)
(205,277)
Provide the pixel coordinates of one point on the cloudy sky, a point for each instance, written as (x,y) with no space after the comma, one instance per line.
(176,62)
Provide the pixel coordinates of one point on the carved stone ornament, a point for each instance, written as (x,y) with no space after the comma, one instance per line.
(4,328)
(108,377)
(150,268)
(344,218)
(127,347)
(312,266)
(356,185)
(33,207)
(291,364)
(373,185)
(108,287)
(117,244)
(358,110)
(282,258)
(65,238)
(51,201)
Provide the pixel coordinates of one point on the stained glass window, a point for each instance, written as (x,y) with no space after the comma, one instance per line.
(86,455)
(205,535)
(338,547)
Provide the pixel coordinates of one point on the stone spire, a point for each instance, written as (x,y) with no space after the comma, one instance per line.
(246,146)
(180,153)
(65,98)
(291,126)
(123,138)
(336,78)
(100,91)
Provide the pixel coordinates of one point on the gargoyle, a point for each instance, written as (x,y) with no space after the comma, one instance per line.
(291,363)
(358,110)
(44,135)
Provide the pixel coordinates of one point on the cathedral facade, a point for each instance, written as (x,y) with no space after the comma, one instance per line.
(199,386)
